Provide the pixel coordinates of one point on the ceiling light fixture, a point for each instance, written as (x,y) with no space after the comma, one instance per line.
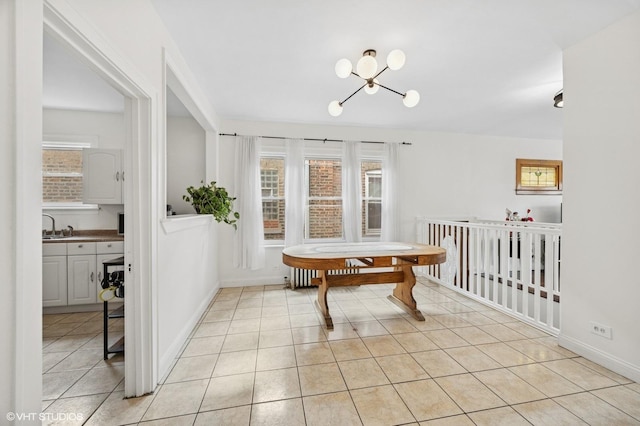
(558,100)
(366,69)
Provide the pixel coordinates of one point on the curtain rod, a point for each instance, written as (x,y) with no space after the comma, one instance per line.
(309,139)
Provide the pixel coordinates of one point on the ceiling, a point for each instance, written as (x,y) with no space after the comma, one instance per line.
(486,67)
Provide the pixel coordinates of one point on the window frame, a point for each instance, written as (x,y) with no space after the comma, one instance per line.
(275,148)
(522,189)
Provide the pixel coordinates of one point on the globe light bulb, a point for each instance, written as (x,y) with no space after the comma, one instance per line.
(411,98)
(395,59)
(373,89)
(367,66)
(335,109)
(343,68)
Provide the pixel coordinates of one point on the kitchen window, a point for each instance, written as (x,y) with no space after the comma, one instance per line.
(62,174)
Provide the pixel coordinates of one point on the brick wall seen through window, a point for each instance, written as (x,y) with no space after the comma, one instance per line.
(61,175)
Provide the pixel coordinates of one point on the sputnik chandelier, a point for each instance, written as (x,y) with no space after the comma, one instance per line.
(366,69)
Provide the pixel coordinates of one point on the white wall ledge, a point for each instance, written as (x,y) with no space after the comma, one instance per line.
(180,223)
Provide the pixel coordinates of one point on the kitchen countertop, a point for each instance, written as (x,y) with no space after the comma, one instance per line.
(87,236)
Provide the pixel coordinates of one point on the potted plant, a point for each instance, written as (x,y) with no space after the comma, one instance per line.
(214,200)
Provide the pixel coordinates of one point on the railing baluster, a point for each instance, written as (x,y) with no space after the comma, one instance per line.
(495,258)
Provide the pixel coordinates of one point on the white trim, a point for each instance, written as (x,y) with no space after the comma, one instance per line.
(71,208)
(25,275)
(252,282)
(609,361)
(183,222)
(61,139)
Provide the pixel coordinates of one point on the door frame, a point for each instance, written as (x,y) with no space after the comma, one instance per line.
(140,116)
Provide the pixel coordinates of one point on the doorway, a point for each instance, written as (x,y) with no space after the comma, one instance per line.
(140,367)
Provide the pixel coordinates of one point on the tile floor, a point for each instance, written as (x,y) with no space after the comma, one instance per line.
(260,356)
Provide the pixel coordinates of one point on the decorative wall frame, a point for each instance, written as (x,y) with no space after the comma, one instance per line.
(538,177)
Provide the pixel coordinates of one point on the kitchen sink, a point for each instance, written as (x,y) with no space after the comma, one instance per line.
(54,237)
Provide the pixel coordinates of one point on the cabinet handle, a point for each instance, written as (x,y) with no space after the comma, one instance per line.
(99,276)
(123,176)
(108,245)
(117,176)
(92,277)
(80,245)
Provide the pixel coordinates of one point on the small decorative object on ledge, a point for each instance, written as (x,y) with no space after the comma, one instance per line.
(514,217)
(214,200)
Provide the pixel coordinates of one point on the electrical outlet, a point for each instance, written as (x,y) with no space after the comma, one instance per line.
(600,330)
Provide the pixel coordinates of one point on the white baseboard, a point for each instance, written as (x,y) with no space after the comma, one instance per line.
(250,282)
(170,355)
(617,365)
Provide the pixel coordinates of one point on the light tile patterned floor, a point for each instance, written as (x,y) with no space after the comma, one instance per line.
(260,356)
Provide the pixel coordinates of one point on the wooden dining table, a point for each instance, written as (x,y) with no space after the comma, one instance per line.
(396,259)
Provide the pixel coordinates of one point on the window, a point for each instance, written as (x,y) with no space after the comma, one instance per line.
(371,198)
(323,178)
(322,194)
(538,176)
(62,173)
(272,184)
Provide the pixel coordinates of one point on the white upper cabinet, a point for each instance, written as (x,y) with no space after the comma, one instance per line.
(102,176)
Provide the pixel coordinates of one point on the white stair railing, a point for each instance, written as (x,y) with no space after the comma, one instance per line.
(511,266)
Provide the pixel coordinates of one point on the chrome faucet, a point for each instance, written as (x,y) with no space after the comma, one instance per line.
(53,223)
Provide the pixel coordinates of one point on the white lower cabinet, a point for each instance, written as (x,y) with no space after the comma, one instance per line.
(54,280)
(71,272)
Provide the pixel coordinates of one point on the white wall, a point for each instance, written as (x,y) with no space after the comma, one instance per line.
(136,33)
(185,160)
(187,285)
(600,236)
(451,175)
(109,131)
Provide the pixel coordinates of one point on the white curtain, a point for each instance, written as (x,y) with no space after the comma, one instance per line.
(294,193)
(390,229)
(249,237)
(351,192)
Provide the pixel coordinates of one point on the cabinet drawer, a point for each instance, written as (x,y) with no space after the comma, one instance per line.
(109,247)
(54,249)
(81,248)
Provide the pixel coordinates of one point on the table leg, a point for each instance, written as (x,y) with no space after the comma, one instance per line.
(323,287)
(403,293)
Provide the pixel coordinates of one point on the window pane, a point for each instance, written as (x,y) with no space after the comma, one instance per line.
(325,178)
(273,219)
(538,176)
(272,186)
(372,197)
(64,161)
(374,217)
(325,219)
(62,175)
(61,189)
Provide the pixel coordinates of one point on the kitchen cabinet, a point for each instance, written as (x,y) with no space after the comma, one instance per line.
(81,273)
(54,275)
(102,176)
(71,272)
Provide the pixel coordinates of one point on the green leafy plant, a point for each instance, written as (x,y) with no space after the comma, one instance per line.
(215,200)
